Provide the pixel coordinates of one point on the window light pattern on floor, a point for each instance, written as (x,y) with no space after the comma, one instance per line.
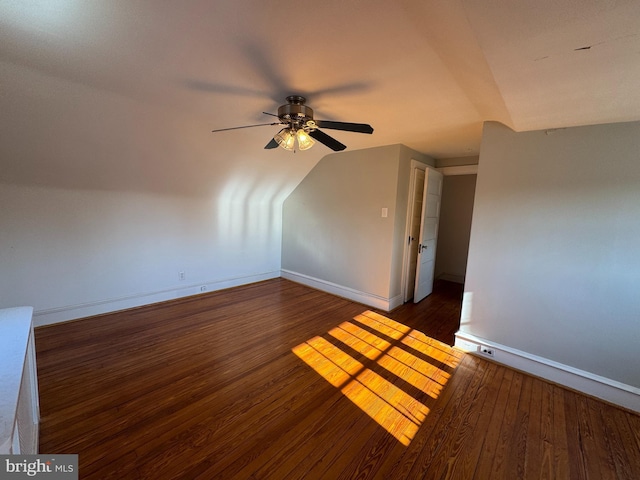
(403,352)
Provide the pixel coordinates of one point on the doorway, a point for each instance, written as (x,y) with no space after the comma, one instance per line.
(423,212)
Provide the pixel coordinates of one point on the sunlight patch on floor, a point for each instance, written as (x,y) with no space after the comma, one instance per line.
(391,348)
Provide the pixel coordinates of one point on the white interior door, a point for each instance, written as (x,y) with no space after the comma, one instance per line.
(428,234)
(417,188)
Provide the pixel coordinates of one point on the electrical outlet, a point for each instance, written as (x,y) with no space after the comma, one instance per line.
(488,351)
(181,275)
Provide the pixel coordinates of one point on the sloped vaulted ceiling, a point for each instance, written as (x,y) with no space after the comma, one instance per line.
(123,94)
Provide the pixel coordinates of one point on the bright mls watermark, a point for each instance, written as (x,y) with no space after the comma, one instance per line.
(52,467)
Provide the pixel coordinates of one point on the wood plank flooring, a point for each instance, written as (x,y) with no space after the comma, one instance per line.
(275,380)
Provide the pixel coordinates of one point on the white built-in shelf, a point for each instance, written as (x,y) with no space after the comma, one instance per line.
(19,407)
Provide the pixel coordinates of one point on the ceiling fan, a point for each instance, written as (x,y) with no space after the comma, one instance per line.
(300,129)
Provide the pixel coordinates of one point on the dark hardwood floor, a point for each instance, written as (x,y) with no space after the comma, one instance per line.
(276,380)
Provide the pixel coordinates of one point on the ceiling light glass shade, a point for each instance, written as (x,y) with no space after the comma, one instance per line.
(304,140)
(286,138)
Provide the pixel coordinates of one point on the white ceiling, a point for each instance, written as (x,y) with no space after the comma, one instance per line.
(423,73)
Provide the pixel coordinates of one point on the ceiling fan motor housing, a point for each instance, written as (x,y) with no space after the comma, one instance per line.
(295,113)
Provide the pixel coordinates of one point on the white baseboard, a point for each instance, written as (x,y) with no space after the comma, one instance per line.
(72,312)
(395,302)
(604,388)
(450,277)
(369,299)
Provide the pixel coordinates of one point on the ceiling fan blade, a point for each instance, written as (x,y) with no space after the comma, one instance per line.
(330,142)
(349,127)
(271,144)
(245,126)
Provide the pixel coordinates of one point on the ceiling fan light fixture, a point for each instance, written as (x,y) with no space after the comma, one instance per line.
(286,138)
(305,142)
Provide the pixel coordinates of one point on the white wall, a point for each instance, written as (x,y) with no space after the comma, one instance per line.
(554,263)
(333,231)
(71,253)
